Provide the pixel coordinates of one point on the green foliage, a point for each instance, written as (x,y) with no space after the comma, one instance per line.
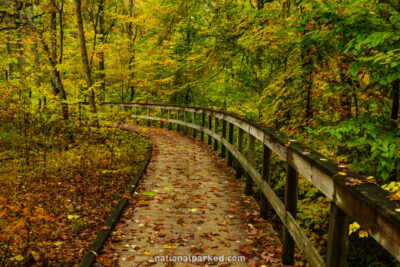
(369,145)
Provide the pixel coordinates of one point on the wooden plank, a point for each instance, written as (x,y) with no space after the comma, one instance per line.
(321,180)
(291,192)
(145,117)
(304,244)
(230,140)
(161,120)
(266,176)
(275,146)
(338,237)
(185,119)
(381,228)
(238,123)
(209,127)
(257,133)
(169,117)
(239,170)
(178,125)
(194,122)
(223,149)
(203,124)
(214,114)
(216,125)
(251,153)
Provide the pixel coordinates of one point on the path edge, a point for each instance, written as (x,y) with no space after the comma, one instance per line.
(97,244)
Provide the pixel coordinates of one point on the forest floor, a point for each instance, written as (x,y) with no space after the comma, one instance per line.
(189,203)
(52,208)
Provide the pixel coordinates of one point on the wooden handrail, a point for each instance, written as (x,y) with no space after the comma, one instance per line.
(366,203)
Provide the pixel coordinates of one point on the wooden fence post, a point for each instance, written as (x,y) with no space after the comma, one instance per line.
(209,127)
(223,149)
(230,139)
(194,122)
(239,170)
(250,156)
(203,123)
(266,176)
(169,117)
(216,124)
(338,237)
(178,126)
(185,129)
(148,114)
(161,121)
(291,207)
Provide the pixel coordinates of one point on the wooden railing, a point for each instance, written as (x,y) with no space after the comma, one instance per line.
(366,203)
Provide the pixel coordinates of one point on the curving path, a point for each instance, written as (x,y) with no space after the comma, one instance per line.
(189,203)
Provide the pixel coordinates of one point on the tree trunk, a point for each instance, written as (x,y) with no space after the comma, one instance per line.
(53,47)
(84,56)
(10,65)
(57,83)
(35,54)
(132,37)
(102,74)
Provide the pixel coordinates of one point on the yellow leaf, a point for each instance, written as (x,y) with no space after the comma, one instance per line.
(59,243)
(167,246)
(353,227)
(19,258)
(363,234)
(35,255)
(342,173)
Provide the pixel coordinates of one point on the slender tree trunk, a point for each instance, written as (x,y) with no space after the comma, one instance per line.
(21,55)
(132,36)
(10,65)
(58,86)
(35,55)
(355,101)
(36,62)
(102,74)
(84,56)
(53,47)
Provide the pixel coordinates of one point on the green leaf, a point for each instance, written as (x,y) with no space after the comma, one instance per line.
(151,194)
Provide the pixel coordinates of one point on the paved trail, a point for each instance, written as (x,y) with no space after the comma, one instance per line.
(189,203)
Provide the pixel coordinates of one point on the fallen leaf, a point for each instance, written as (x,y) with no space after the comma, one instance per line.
(143,203)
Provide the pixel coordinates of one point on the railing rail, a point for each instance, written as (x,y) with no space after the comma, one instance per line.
(366,203)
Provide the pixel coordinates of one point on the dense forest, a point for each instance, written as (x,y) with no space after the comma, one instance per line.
(326,72)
